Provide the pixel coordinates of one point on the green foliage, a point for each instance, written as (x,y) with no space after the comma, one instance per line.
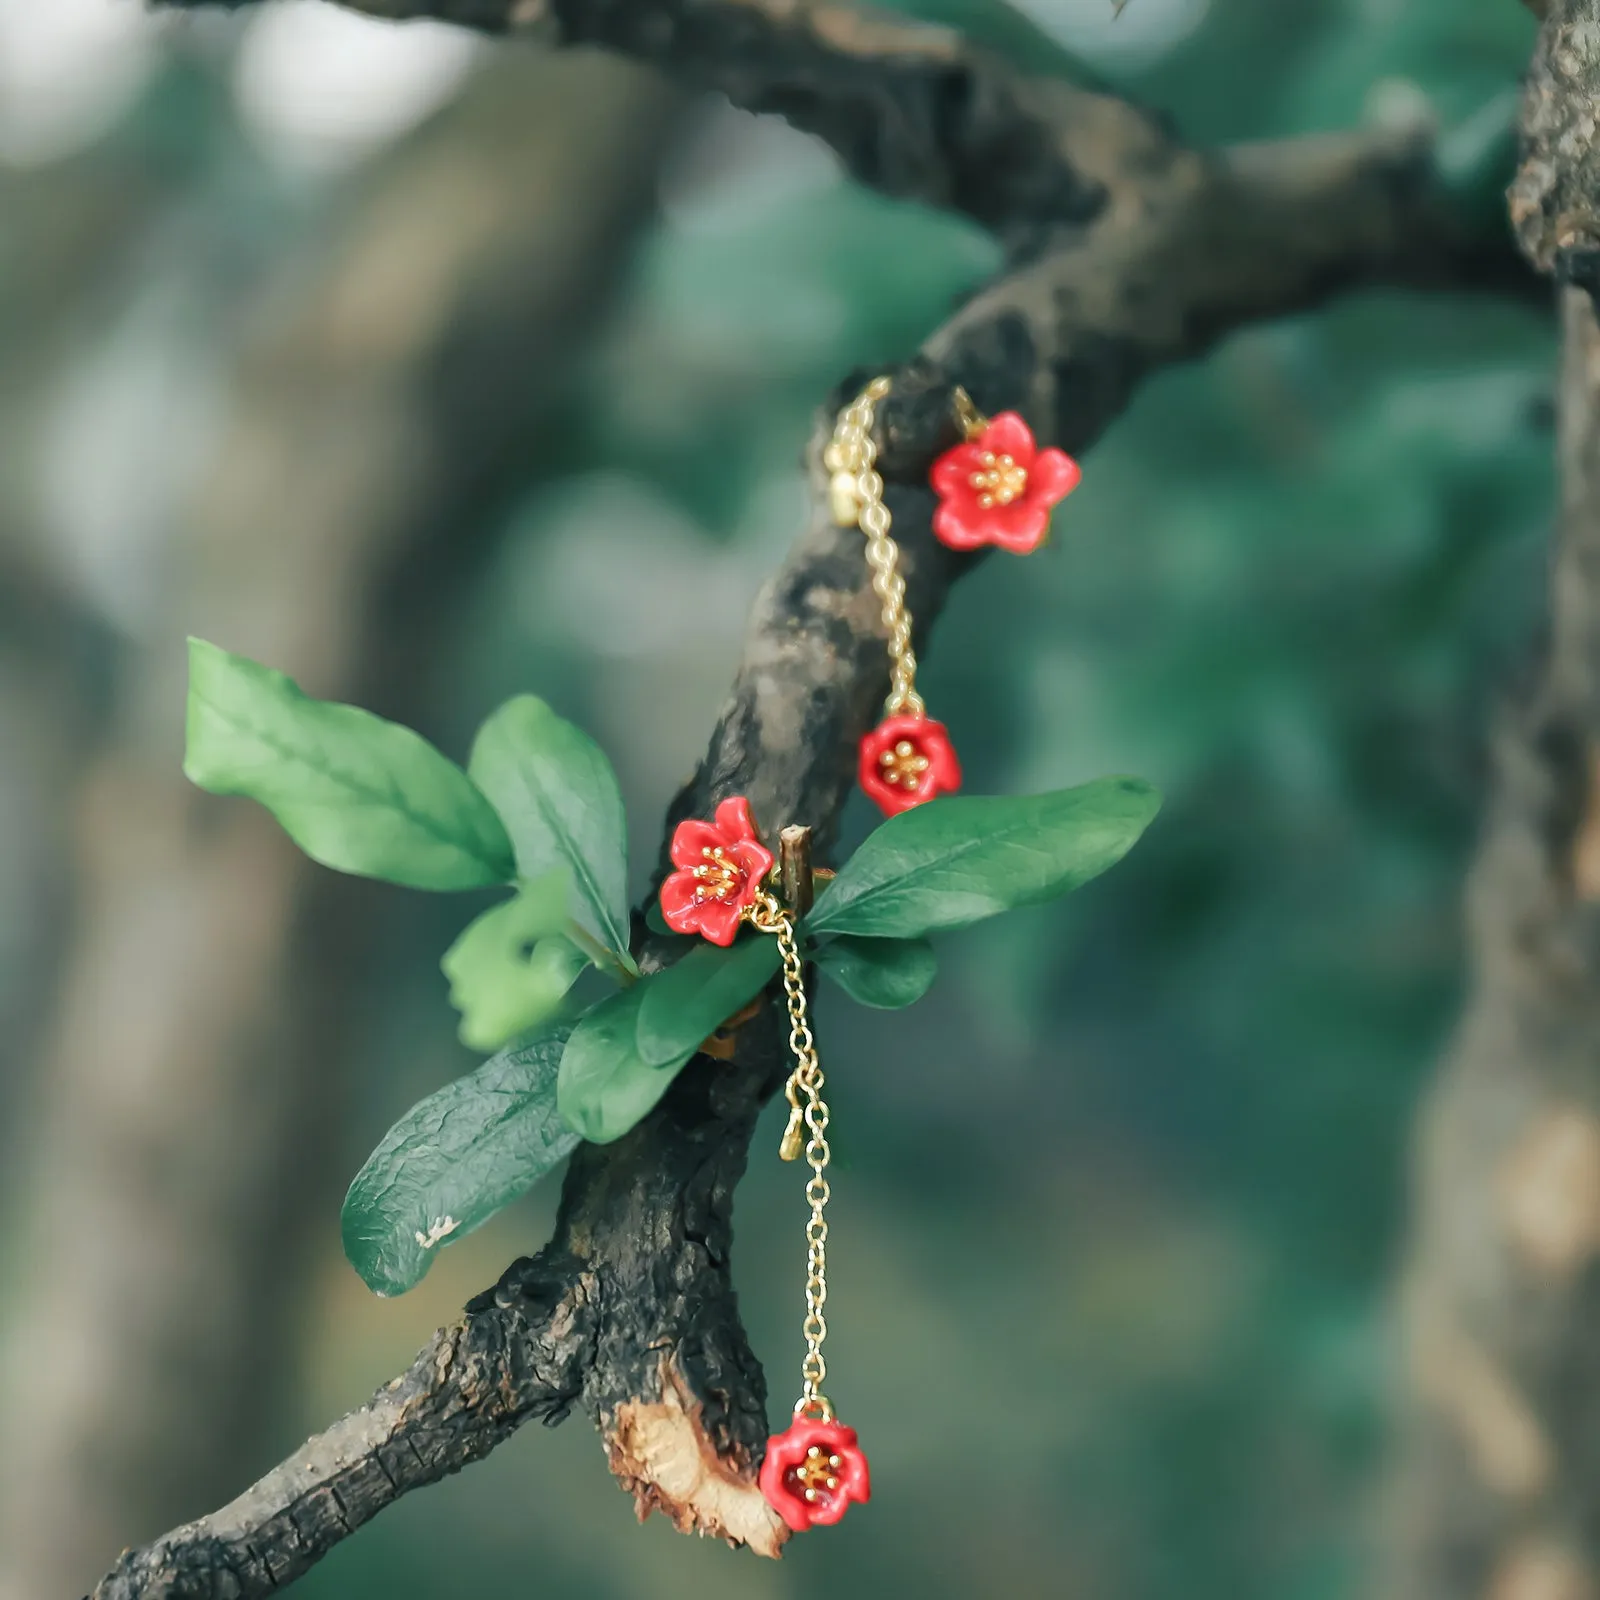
(558,796)
(452,1161)
(954,862)
(511,968)
(692,998)
(353,791)
(629,1048)
(605,1085)
(942,865)
(883,973)
(369,796)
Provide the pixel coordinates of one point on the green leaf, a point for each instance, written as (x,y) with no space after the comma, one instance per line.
(511,968)
(556,793)
(605,1085)
(353,791)
(686,1002)
(886,973)
(629,1048)
(953,862)
(452,1161)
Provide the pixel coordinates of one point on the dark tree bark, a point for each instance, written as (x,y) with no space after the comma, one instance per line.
(1500,1439)
(1502,1292)
(196,1047)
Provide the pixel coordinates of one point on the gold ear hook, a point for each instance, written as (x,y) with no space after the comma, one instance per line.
(972,420)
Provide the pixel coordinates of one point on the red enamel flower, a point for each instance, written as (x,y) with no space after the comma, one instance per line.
(814,1472)
(998,488)
(906,760)
(720,867)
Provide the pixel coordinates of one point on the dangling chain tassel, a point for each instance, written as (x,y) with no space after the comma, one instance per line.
(908,757)
(806,1134)
(814,1470)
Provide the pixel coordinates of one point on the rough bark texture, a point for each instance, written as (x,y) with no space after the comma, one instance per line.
(1555,202)
(194,1053)
(1501,1436)
(1126,250)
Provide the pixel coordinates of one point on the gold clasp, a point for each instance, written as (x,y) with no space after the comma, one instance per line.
(972,420)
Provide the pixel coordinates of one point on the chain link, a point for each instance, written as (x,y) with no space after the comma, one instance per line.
(808,1119)
(856,492)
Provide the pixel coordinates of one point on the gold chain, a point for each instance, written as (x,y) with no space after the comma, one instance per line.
(808,1111)
(857,497)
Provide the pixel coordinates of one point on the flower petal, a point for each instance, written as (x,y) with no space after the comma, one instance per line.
(961,524)
(950,476)
(719,920)
(854,1477)
(1019,528)
(828,1509)
(678,903)
(756,862)
(1053,476)
(689,839)
(1009,435)
(779,1494)
(733,820)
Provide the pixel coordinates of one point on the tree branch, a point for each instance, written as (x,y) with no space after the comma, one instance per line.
(919,112)
(1499,1459)
(1500,1295)
(911,108)
(1555,201)
(1176,249)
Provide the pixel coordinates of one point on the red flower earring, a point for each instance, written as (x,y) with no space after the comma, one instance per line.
(906,760)
(720,868)
(814,1471)
(998,487)
(908,757)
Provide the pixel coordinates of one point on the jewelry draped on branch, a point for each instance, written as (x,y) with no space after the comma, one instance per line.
(995,488)
(814,1470)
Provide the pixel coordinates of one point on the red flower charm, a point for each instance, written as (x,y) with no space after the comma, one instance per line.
(906,760)
(720,867)
(814,1472)
(998,488)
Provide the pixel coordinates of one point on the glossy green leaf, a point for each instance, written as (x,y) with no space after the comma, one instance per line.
(454,1160)
(885,973)
(353,791)
(691,999)
(510,969)
(559,800)
(605,1085)
(956,861)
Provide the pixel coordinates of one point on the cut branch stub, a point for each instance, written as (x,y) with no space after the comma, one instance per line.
(794,866)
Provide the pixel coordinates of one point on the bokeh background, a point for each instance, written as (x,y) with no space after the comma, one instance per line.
(432,373)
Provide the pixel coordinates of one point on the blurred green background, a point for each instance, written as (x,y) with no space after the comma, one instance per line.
(1118,1205)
